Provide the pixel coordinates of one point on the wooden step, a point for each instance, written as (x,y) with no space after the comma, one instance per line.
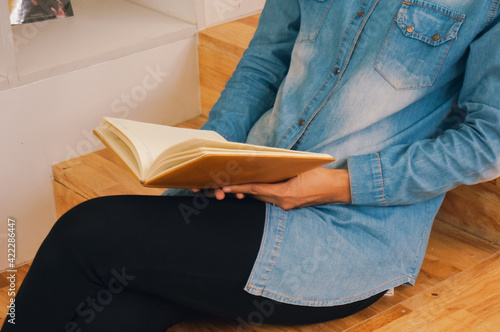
(220,48)
(475,209)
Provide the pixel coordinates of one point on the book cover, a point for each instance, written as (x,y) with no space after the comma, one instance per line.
(170,157)
(28,11)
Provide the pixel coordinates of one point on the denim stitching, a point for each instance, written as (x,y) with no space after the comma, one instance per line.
(320,26)
(411,87)
(339,78)
(382,179)
(380,53)
(360,31)
(348,26)
(430,39)
(350,180)
(276,251)
(341,300)
(442,62)
(438,11)
(313,99)
(259,256)
(492,12)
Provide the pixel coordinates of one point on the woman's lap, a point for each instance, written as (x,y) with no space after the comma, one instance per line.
(150,261)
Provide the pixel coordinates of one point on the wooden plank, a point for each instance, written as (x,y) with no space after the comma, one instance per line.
(5,286)
(208,99)
(229,38)
(65,198)
(216,69)
(458,301)
(220,49)
(252,20)
(194,123)
(474,209)
(381,320)
(99,174)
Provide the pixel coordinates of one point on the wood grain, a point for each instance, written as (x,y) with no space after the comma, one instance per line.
(220,49)
(230,38)
(469,300)
(216,69)
(65,198)
(475,209)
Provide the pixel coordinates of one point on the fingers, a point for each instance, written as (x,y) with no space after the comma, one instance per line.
(251,189)
(240,196)
(260,191)
(215,193)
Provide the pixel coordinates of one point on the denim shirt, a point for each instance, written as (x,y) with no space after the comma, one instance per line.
(404,94)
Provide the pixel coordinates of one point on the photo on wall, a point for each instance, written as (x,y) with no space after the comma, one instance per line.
(29,11)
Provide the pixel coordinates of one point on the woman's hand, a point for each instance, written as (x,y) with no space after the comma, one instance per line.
(315,187)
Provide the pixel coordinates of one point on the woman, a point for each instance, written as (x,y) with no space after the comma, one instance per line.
(403,94)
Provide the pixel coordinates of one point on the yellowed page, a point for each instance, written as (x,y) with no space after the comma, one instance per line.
(119,147)
(150,140)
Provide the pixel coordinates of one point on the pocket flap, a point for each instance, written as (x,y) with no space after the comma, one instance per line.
(428,22)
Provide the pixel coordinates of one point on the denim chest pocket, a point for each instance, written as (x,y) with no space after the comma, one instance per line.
(417,44)
(314,13)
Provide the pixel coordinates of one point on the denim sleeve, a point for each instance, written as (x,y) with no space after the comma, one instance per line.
(408,174)
(252,89)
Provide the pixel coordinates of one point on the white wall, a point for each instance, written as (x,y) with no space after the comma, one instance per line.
(51,121)
(183,9)
(220,11)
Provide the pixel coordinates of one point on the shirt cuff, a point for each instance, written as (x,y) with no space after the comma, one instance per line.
(367,182)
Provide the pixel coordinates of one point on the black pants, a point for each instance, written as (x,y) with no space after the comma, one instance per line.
(145,263)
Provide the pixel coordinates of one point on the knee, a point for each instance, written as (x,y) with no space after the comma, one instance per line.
(85,223)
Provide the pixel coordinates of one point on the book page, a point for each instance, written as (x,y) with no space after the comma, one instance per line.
(150,140)
(229,146)
(117,145)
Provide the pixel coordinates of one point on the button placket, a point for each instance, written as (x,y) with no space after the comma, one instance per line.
(345,49)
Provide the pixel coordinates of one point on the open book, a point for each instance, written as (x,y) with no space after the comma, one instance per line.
(171,157)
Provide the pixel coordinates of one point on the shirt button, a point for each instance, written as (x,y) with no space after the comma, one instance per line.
(361,14)
(302,123)
(436,37)
(410,28)
(336,71)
